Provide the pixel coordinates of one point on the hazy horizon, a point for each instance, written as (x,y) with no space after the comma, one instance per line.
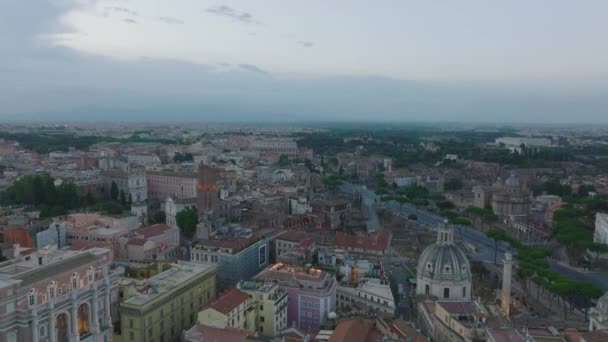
(236,61)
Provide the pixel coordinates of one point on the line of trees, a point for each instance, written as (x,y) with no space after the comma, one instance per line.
(41,192)
(534,267)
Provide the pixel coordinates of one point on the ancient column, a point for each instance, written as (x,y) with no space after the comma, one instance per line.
(506,284)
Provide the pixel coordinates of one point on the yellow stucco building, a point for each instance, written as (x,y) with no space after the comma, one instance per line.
(159,308)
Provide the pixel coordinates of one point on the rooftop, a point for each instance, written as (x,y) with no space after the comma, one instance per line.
(168,280)
(153,230)
(595,336)
(505,335)
(229,300)
(294,276)
(355,330)
(378,241)
(65,261)
(204,333)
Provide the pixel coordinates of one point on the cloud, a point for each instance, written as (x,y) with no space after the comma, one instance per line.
(253,68)
(171,20)
(229,12)
(123,10)
(129,21)
(305,43)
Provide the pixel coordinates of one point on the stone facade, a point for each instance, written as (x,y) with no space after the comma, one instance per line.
(59,297)
(443,269)
(178,185)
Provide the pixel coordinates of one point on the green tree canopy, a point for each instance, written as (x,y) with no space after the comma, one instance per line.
(187,220)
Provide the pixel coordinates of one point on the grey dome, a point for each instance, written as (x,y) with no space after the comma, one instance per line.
(512,181)
(444,262)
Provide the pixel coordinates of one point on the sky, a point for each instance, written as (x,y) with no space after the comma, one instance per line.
(275,60)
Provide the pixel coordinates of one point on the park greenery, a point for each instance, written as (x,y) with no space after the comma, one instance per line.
(406,145)
(45,142)
(41,192)
(182,158)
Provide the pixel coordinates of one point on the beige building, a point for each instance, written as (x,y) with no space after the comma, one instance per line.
(453,321)
(505,199)
(371,293)
(232,309)
(270,305)
(159,308)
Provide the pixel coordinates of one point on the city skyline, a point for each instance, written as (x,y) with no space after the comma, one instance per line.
(394,61)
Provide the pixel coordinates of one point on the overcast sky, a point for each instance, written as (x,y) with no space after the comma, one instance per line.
(466,60)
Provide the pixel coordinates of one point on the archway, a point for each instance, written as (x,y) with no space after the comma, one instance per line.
(62,328)
(83,319)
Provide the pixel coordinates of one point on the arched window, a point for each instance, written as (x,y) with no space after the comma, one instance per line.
(446,292)
(427,289)
(61,327)
(83,319)
(464,291)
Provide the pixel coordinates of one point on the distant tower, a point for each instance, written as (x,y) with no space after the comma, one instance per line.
(208,195)
(506,283)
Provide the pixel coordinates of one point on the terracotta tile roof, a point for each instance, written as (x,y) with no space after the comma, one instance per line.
(456,308)
(136,242)
(229,300)
(505,335)
(352,330)
(376,242)
(293,235)
(595,336)
(153,230)
(203,333)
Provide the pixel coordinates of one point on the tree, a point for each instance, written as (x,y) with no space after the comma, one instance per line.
(332,181)
(130,201)
(497,235)
(453,184)
(112,207)
(123,198)
(443,205)
(114,191)
(461,221)
(187,220)
(283,161)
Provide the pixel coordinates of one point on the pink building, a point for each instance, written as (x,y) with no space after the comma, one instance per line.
(311,292)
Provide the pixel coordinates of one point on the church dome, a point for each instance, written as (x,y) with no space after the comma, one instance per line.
(512,181)
(443,260)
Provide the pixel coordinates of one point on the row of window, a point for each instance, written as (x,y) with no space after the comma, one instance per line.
(53,289)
